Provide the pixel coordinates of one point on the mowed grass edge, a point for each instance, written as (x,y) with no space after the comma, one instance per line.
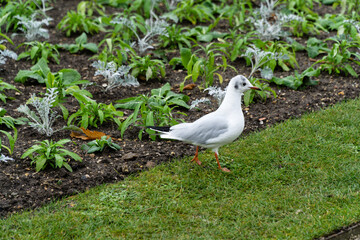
(296,180)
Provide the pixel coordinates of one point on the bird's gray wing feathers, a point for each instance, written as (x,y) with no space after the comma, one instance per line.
(199,132)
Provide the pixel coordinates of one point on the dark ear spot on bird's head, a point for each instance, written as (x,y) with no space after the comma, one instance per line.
(236,86)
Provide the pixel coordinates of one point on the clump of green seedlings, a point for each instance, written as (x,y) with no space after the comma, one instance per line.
(99,145)
(50,153)
(80,44)
(340,56)
(10,123)
(92,113)
(79,22)
(257,58)
(156,109)
(205,68)
(36,50)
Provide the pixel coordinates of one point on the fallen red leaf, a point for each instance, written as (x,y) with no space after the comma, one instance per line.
(90,135)
(189,86)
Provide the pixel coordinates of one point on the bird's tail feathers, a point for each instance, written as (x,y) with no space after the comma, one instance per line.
(159,129)
(164,132)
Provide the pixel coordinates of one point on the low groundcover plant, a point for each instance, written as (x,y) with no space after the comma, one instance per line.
(50,153)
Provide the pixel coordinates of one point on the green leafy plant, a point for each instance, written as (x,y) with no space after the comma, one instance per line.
(114,50)
(40,72)
(66,82)
(280,48)
(98,145)
(6,39)
(301,5)
(205,33)
(152,110)
(144,7)
(4,86)
(259,58)
(126,25)
(9,121)
(36,50)
(50,153)
(315,46)
(15,8)
(92,113)
(91,6)
(262,94)
(237,13)
(11,138)
(191,11)
(238,45)
(348,6)
(81,44)
(175,37)
(203,67)
(340,56)
(349,27)
(308,25)
(62,80)
(145,67)
(78,22)
(298,80)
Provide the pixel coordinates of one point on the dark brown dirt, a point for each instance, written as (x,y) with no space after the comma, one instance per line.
(23,188)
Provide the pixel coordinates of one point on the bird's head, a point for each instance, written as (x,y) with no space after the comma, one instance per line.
(241,84)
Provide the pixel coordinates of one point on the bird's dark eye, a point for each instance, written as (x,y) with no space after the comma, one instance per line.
(244,84)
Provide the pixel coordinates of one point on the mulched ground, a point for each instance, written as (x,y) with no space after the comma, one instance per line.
(23,188)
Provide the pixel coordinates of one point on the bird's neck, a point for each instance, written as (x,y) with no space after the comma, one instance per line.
(231,102)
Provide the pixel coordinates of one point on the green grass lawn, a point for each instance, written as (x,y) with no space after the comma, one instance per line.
(297,180)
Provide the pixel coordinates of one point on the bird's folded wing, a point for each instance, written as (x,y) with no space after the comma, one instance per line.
(199,132)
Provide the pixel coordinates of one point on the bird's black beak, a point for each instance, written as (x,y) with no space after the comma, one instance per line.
(255,88)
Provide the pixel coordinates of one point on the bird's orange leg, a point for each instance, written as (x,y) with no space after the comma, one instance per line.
(195,159)
(223,169)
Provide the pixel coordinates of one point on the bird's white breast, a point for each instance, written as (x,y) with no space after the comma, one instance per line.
(236,125)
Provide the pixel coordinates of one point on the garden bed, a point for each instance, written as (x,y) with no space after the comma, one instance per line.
(24,188)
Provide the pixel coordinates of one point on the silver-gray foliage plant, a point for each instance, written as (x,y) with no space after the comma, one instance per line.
(153,28)
(116,76)
(4,54)
(271,30)
(217,93)
(33,28)
(259,57)
(43,118)
(4,158)
(196,102)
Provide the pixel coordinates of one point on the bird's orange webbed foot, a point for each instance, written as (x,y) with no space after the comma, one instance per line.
(222,169)
(196,159)
(225,169)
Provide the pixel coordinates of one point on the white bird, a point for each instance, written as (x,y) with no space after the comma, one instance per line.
(217,128)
